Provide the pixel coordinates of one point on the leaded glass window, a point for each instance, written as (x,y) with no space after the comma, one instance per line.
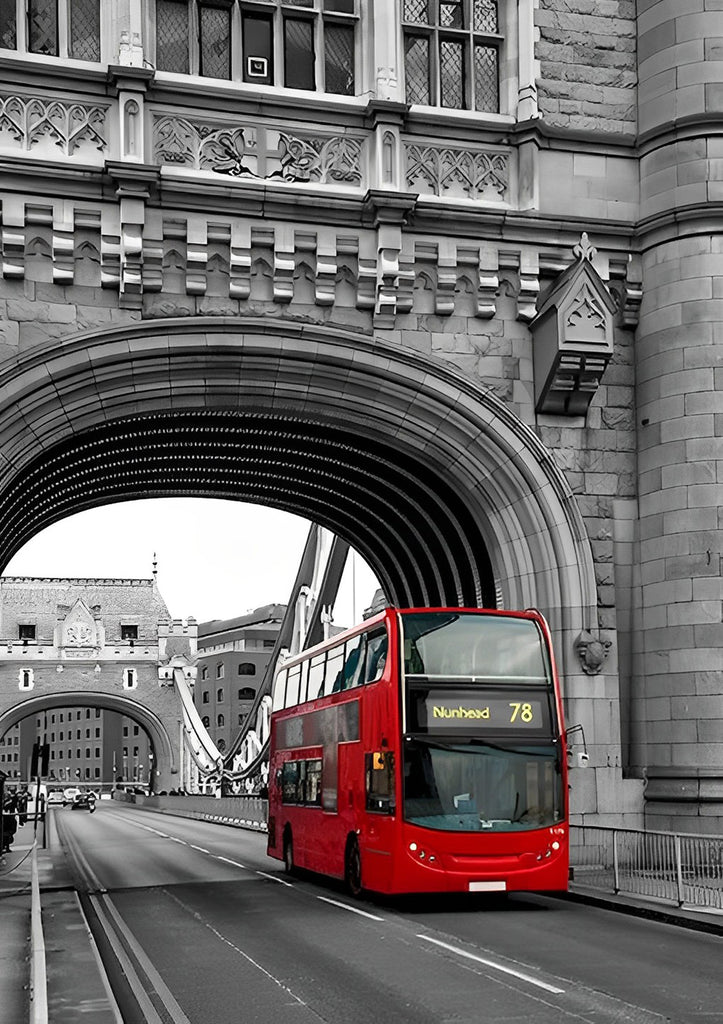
(84,41)
(451,53)
(43,27)
(172,24)
(8,24)
(339,59)
(214,24)
(314,39)
(52,28)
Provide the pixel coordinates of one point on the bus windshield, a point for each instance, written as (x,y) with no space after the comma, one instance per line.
(477,786)
(459,645)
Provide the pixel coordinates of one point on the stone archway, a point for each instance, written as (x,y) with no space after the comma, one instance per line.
(164,749)
(444,491)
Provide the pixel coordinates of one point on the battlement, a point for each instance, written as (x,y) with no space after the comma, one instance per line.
(40,581)
(178,627)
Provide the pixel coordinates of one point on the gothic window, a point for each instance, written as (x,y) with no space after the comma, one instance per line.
(52,28)
(26,679)
(452,53)
(130,679)
(298,44)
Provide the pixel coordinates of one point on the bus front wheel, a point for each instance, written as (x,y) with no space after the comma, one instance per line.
(288,853)
(353,867)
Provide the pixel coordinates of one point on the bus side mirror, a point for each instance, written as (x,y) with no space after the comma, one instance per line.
(577,758)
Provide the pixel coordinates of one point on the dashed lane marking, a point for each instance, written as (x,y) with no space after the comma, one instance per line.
(494,965)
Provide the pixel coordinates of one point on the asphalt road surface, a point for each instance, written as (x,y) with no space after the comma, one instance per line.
(199,926)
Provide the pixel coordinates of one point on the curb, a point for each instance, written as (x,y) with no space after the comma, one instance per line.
(695,920)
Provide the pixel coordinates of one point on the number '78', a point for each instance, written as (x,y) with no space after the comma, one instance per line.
(521,711)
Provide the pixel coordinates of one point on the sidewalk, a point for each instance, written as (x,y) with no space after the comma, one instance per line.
(76,990)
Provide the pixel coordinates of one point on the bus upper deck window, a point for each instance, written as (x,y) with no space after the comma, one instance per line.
(316,676)
(376,656)
(278,700)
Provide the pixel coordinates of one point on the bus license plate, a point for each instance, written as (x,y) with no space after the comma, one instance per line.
(487,886)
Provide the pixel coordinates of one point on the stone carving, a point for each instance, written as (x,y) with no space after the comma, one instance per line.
(584,249)
(591,652)
(586,316)
(79,634)
(457,173)
(259,152)
(29,122)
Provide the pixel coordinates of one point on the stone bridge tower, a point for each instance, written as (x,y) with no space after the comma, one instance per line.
(393,284)
(95,643)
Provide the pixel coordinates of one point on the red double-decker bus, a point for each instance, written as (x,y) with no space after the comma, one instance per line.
(423,751)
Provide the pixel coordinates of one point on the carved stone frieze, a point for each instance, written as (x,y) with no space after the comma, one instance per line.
(29,123)
(259,152)
(457,173)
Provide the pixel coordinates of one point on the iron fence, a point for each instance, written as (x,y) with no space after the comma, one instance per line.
(683,869)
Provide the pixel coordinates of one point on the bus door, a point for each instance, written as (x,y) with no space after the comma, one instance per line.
(380,797)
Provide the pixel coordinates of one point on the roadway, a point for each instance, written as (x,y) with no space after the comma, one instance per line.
(198,926)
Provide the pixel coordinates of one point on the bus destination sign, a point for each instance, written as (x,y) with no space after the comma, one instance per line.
(444,711)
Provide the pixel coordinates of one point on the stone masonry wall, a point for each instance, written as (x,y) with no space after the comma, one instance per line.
(587,59)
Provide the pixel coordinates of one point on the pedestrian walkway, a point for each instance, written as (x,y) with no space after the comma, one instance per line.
(76,988)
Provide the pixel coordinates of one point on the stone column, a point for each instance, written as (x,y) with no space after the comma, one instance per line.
(677,728)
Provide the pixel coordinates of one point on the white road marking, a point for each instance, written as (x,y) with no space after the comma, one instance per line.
(353,910)
(159,986)
(237,949)
(496,966)
(174,840)
(148,1010)
(226,860)
(200,849)
(275,879)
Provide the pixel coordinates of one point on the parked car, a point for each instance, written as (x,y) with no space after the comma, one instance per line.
(70,794)
(56,797)
(84,802)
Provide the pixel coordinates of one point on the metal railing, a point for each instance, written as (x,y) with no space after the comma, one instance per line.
(678,868)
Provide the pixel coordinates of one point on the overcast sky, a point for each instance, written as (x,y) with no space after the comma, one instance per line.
(216,559)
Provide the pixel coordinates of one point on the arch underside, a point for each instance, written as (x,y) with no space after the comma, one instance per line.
(411,526)
(436,483)
(165,758)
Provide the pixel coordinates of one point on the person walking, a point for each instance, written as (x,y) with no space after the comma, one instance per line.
(10,822)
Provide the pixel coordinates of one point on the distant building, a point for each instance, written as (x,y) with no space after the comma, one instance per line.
(74,630)
(232,658)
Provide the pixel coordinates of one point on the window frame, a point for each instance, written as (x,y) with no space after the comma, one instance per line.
(435,33)
(64,41)
(279,12)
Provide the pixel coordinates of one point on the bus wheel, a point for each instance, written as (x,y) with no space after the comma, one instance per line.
(353,868)
(288,853)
